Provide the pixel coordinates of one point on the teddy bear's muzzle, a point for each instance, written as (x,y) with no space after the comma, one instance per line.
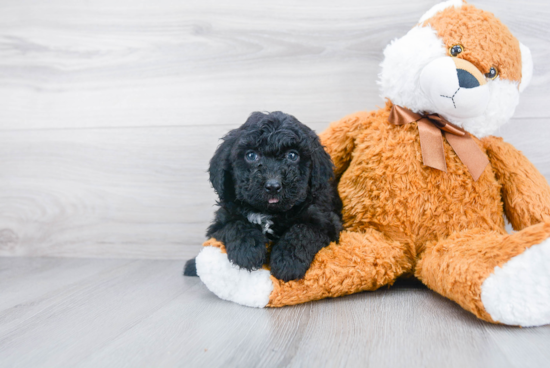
(455,87)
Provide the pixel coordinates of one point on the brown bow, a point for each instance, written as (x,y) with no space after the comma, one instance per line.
(431,140)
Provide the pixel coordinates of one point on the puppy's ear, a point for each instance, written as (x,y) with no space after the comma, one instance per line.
(322,169)
(221,170)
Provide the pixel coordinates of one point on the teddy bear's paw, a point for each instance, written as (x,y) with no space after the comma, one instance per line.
(229,282)
(518,293)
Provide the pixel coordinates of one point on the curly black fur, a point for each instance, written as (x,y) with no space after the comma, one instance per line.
(275,183)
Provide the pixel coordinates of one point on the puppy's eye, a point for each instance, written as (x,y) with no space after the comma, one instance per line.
(456,49)
(292,155)
(251,156)
(493,73)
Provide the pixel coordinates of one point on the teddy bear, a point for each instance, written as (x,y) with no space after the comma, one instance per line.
(425,187)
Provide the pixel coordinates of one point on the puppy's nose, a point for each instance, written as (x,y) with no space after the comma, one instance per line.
(273,186)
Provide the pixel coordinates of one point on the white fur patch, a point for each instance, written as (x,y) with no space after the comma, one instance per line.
(263,220)
(439,7)
(404,60)
(229,282)
(439,82)
(519,292)
(504,97)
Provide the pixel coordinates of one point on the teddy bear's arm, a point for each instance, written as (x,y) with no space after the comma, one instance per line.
(339,140)
(525,191)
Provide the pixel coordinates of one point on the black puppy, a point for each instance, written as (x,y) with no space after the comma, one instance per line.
(274,182)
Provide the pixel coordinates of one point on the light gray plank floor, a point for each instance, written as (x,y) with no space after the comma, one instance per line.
(143,313)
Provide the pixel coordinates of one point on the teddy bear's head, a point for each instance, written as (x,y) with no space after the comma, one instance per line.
(460,62)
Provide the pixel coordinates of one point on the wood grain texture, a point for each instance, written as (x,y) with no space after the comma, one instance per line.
(112,109)
(69,64)
(141,313)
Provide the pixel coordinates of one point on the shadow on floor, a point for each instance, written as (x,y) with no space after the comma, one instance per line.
(408,283)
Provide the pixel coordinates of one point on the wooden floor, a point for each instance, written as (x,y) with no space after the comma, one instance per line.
(142,313)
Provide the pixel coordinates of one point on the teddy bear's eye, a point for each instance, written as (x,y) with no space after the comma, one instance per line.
(455,50)
(493,73)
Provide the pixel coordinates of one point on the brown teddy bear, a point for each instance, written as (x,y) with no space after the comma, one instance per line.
(425,187)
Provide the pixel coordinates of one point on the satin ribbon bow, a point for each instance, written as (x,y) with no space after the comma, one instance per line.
(431,128)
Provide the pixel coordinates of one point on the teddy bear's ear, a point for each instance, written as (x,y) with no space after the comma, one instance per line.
(439,7)
(526,67)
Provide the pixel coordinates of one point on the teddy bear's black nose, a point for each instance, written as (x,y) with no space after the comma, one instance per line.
(273,186)
(466,79)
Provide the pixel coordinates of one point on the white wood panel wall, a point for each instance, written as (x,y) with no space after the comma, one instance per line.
(111,109)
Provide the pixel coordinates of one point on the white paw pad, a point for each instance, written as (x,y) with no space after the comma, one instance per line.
(518,293)
(229,282)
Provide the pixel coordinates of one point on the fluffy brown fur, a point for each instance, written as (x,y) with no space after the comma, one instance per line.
(394,228)
(393,225)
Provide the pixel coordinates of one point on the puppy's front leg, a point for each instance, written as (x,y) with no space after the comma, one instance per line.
(292,255)
(245,244)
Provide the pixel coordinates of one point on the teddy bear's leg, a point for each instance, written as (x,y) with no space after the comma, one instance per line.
(360,261)
(498,277)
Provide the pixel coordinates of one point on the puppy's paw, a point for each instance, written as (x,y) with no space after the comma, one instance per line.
(286,266)
(249,251)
